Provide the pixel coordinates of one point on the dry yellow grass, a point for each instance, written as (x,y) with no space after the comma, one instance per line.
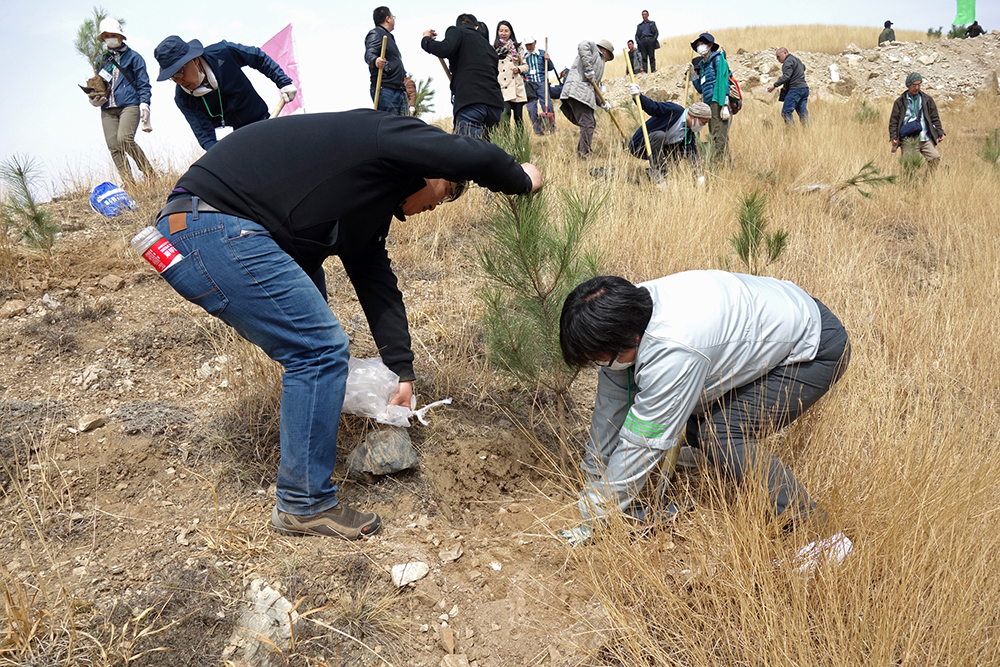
(902,452)
(814,38)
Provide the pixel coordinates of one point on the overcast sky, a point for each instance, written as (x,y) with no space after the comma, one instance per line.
(46,116)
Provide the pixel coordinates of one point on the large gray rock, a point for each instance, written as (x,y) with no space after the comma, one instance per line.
(384,451)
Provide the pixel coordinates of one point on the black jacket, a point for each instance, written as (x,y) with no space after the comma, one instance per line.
(474,66)
(329,184)
(393,73)
(662,115)
(931,117)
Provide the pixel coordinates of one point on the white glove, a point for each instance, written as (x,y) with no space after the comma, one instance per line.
(288,93)
(144,118)
(412,109)
(606,107)
(576,537)
(590,74)
(604,90)
(633,89)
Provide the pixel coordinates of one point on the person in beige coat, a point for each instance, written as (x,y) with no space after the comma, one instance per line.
(511,71)
(578,97)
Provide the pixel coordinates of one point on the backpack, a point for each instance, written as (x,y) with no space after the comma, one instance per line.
(735,96)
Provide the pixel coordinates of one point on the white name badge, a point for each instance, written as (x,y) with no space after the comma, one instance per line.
(105,74)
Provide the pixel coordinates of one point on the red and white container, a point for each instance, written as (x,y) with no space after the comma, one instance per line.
(158,251)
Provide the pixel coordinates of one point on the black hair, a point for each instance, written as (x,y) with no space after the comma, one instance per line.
(630,42)
(466,19)
(496,42)
(380,15)
(603,316)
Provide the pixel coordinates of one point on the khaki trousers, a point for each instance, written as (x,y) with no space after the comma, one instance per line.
(719,129)
(120,124)
(925,148)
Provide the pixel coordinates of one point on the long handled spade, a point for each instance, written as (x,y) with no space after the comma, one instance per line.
(548,117)
(445,66)
(378,81)
(687,82)
(600,98)
(642,121)
(277,109)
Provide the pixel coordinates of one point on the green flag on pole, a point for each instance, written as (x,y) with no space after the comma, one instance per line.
(966,12)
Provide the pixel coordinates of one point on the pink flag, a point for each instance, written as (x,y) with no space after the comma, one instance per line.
(282,51)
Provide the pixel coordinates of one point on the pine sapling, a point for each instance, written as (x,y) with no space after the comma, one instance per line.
(88,43)
(753,245)
(530,264)
(20,209)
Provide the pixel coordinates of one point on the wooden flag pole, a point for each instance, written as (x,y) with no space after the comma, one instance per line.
(645,130)
(378,81)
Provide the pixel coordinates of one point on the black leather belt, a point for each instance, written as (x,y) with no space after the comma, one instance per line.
(192,205)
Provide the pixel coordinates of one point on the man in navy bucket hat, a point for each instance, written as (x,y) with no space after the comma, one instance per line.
(212,90)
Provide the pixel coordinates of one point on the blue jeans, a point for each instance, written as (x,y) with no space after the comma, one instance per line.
(234,270)
(392,101)
(795,101)
(476,120)
(535,105)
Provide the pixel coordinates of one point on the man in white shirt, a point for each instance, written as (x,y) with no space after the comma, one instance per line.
(724,358)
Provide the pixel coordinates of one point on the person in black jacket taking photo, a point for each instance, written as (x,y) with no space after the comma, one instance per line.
(474,65)
(255,218)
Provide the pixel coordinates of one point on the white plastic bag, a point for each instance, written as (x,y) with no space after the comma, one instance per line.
(370,387)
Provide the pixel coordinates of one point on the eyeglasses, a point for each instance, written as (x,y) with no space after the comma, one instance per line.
(605,364)
(179,75)
(455,191)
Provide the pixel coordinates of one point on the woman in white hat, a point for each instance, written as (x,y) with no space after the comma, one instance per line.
(127,102)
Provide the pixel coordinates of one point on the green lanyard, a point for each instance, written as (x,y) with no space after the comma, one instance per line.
(222,112)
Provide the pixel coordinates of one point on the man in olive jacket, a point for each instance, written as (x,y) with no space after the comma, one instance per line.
(915,117)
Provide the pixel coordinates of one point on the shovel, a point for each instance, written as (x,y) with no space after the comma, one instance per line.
(548,117)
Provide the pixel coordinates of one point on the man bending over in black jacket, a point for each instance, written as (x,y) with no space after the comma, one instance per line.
(255,218)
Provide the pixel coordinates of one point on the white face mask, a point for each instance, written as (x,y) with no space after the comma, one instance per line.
(112,42)
(702,49)
(620,366)
(200,89)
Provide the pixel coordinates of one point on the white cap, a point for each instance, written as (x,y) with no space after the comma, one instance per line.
(111,26)
(531,40)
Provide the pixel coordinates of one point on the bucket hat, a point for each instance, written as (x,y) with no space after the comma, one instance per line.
(605,44)
(110,26)
(173,53)
(707,38)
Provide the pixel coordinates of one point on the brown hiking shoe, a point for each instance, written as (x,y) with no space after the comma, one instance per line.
(339,521)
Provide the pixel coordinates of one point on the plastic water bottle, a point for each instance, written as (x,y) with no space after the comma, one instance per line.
(158,251)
